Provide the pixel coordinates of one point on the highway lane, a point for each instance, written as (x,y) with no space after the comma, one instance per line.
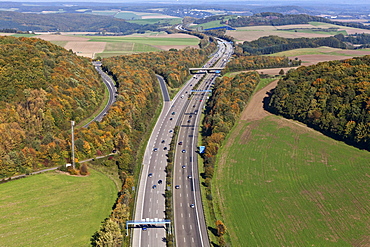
(190,228)
(112,90)
(150,200)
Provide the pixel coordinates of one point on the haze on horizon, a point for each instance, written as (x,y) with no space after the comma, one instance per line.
(268,2)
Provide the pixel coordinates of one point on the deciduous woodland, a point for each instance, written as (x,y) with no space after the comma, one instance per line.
(333,97)
(42,88)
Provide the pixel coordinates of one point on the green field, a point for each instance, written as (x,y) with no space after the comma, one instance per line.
(318,51)
(169,21)
(28,35)
(282,184)
(147,40)
(125,48)
(53,209)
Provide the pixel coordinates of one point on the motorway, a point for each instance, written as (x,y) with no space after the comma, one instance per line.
(109,83)
(190,228)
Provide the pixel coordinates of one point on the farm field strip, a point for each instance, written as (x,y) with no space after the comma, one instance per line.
(322,51)
(147,40)
(53,209)
(282,184)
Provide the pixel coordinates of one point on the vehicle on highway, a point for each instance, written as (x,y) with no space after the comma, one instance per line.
(192,205)
(193,105)
(189,176)
(159,181)
(150,175)
(154,186)
(162,141)
(144,228)
(180,143)
(183,167)
(183,151)
(177,187)
(165,148)
(173,113)
(155,149)
(171,118)
(188,121)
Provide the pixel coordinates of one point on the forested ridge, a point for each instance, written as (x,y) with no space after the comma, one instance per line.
(42,88)
(273,44)
(333,97)
(68,22)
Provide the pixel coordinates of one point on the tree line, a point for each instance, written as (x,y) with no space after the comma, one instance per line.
(277,19)
(240,62)
(272,44)
(332,97)
(42,88)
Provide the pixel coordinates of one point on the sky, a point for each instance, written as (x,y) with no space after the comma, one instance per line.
(285,2)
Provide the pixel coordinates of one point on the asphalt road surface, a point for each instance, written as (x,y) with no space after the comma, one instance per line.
(184,110)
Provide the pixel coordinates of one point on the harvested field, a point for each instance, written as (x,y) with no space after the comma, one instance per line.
(54,37)
(255,32)
(86,49)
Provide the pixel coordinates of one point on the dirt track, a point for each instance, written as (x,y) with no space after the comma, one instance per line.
(254,110)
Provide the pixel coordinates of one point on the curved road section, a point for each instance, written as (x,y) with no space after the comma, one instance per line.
(184,111)
(112,90)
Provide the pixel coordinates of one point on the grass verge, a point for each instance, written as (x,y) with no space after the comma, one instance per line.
(54,209)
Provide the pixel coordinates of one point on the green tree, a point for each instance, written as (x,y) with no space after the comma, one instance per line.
(109,235)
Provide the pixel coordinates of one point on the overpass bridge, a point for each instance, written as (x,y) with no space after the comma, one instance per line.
(215,70)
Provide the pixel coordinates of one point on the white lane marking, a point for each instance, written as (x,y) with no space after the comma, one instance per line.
(191,227)
(187,195)
(180,194)
(192,239)
(150,199)
(156,212)
(184,240)
(182,216)
(156,236)
(183,227)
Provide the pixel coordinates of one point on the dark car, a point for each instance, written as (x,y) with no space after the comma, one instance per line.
(154,186)
(162,141)
(150,175)
(155,149)
(165,148)
(159,181)
(192,205)
(180,143)
(177,187)
(184,151)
